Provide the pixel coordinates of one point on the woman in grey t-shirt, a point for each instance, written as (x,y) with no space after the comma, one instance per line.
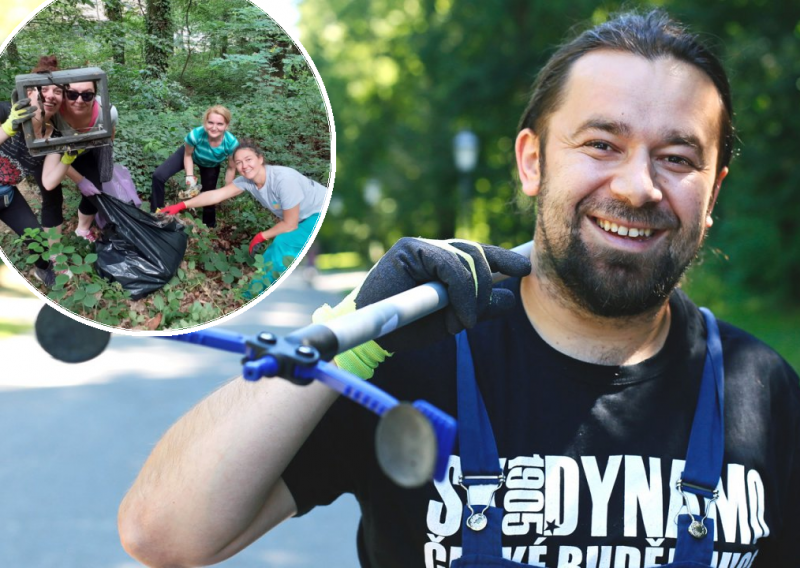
(294,199)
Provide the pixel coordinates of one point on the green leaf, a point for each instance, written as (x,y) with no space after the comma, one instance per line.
(77,259)
(69,250)
(56,294)
(91,258)
(62,279)
(90,301)
(93,288)
(32,258)
(79,294)
(228,278)
(158,302)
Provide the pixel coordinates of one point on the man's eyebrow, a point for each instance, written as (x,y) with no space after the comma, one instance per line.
(678,138)
(611,126)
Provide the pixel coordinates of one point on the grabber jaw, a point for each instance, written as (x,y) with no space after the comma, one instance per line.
(444,427)
(66,339)
(413,443)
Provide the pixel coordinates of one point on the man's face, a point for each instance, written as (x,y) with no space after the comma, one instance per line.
(630,180)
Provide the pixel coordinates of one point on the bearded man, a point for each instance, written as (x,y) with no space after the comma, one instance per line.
(604,420)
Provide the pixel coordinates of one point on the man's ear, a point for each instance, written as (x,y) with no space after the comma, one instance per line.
(528,161)
(717,185)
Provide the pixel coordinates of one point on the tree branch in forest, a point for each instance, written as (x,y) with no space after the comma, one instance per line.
(188,40)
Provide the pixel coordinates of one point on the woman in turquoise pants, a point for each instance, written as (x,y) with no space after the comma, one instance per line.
(294,199)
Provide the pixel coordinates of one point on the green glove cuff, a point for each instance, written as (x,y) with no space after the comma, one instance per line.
(68,158)
(361,360)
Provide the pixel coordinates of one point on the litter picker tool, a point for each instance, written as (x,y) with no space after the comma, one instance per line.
(413,440)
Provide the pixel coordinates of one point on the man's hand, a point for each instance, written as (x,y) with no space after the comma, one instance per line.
(259,238)
(87,188)
(172,209)
(21,111)
(464,267)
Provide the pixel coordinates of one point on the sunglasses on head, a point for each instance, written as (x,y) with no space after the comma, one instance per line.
(86,95)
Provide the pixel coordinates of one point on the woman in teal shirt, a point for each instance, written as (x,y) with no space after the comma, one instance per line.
(206,146)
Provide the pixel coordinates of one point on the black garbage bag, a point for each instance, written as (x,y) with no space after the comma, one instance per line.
(139,250)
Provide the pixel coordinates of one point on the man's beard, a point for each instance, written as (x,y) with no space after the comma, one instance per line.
(614,283)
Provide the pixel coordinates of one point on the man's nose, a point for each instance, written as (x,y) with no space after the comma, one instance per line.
(634,182)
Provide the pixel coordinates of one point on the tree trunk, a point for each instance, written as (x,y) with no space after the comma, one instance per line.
(113,9)
(12,53)
(158,26)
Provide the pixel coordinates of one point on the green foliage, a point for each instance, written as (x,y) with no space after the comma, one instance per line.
(404,77)
(213,280)
(225,52)
(222,52)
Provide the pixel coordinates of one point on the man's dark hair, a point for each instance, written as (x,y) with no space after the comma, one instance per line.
(652,35)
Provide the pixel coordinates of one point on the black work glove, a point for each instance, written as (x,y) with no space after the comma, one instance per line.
(464,267)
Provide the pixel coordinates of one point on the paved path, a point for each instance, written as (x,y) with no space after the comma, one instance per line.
(74,437)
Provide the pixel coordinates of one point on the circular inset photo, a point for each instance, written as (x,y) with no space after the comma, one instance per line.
(160,169)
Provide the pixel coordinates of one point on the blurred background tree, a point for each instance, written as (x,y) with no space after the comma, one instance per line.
(404,76)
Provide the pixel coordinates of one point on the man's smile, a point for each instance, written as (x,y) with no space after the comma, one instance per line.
(624,230)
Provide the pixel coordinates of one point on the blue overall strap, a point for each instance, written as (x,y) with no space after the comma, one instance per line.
(695,546)
(480,466)
(475,436)
(707,439)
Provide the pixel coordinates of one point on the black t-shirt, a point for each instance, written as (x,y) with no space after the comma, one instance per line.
(15,161)
(591,453)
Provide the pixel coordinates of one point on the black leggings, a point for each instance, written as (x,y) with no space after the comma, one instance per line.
(19,216)
(208,181)
(53,200)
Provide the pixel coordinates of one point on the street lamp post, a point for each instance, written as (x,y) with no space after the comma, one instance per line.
(465,154)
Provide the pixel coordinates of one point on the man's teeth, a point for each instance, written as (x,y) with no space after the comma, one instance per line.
(623,230)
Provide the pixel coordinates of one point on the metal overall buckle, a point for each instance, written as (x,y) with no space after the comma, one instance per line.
(478,521)
(696,528)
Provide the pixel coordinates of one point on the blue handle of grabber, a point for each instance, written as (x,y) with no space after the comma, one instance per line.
(370,322)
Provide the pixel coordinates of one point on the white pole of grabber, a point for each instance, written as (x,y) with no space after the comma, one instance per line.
(381,318)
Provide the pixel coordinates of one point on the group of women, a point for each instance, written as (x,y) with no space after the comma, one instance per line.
(295,200)
(54,110)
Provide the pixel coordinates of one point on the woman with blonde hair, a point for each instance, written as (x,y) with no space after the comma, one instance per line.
(294,199)
(207,146)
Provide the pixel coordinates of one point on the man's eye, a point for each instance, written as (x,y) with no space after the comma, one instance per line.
(680,160)
(599,145)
